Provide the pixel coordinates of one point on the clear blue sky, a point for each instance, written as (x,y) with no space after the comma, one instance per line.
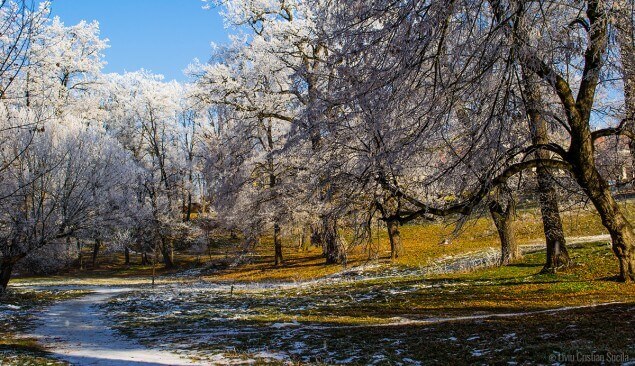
(162,36)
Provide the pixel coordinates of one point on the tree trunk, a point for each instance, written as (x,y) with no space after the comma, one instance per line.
(503,218)
(626,40)
(165,252)
(394,236)
(277,242)
(80,257)
(96,252)
(557,254)
(620,229)
(6,266)
(332,245)
(144,258)
(126,253)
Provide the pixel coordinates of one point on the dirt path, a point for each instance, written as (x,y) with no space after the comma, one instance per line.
(74,331)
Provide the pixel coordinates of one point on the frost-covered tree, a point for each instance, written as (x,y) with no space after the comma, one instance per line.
(69,181)
(261,81)
(143,114)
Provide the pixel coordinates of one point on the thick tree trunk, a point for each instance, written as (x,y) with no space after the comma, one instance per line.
(96,247)
(394,236)
(582,158)
(557,254)
(126,253)
(305,240)
(503,218)
(166,253)
(333,246)
(144,258)
(6,266)
(620,229)
(277,242)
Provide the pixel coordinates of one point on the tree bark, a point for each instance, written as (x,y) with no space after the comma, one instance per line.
(166,253)
(557,253)
(277,242)
(96,247)
(80,256)
(620,229)
(626,40)
(6,267)
(503,218)
(305,240)
(333,247)
(394,236)
(126,253)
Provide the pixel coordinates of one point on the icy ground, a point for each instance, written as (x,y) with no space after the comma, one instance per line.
(75,331)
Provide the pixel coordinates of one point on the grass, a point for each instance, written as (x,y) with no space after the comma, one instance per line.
(332,321)
(19,306)
(421,243)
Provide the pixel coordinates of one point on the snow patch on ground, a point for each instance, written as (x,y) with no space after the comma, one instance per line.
(76,332)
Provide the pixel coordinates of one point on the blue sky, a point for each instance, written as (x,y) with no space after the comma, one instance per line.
(162,36)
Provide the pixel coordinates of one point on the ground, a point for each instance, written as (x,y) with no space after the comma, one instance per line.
(444,304)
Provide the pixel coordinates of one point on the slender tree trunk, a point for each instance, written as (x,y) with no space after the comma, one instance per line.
(277,242)
(96,247)
(80,256)
(626,40)
(171,246)
(6,266)
(503,218)
(557,253)
(126,253)
(394,236)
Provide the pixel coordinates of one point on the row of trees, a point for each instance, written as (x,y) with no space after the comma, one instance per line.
(412,110)
(87,157)
(318,115)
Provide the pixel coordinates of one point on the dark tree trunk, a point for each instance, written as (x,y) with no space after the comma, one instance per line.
(188,215)
(96,247)
(557,253)
(277,242)
(126,253)
(394,236)
(503,218)
(6,266)
(333,247)
(167,254)
(144,258)
(620,229)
